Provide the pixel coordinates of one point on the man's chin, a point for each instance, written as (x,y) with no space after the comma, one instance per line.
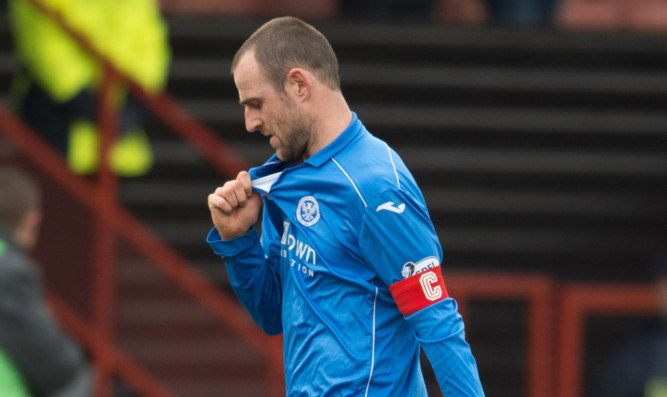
(281,155)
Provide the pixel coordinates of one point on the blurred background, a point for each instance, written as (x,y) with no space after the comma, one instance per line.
(537,130)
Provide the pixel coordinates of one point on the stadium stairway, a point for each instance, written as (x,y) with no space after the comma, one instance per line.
(537,151)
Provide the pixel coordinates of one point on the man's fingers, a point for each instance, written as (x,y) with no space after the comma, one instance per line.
(246,182)
(234,206)
(222,200)
(217,202)
(256,198)
(230,192)
(233,194)
(239,192)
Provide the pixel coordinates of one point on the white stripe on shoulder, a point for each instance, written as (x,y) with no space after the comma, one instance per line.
(393,165)
(351,181)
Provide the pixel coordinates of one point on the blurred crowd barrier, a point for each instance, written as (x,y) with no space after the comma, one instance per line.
(634,15)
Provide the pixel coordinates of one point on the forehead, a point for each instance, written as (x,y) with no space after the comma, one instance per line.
(249,79)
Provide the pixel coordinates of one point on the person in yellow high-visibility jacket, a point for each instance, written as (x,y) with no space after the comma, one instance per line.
(58,80)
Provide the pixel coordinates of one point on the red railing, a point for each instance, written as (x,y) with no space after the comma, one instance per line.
(102,351)
(580,300)
(102,198)
(556,320)
(113,218)
(538,291)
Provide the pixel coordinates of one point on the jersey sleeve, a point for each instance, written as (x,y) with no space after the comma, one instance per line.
(399,241)
(397,237)
(253,279)
(440,332)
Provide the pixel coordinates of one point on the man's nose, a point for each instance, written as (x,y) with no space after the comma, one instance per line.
(252,122)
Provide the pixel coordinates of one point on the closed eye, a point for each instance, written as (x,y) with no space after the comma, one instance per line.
(255,104)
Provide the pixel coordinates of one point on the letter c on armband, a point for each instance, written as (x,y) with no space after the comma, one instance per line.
(429,283)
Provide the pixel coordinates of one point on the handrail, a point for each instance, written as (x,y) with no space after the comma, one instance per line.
(103,240)
(129,227)
(136,377)
(578,300)
(107,208)
(126,225)
(539,292)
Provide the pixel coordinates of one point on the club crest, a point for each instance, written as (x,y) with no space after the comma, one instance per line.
(308,211)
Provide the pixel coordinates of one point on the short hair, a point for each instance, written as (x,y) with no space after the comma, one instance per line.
(19,194)
(287,42)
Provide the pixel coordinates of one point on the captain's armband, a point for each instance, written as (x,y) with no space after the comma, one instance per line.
(419,291)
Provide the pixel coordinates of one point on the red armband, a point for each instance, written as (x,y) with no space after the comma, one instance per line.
(419,291)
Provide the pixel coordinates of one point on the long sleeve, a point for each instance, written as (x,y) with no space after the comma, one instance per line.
(440,331)
(402,246)
(254,281)
(46,357)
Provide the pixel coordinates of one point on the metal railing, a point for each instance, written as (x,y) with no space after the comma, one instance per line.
(578,301)
(113,219)
(538,292)
(100,348)
(101,196)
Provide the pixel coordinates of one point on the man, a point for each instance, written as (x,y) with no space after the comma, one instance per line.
(342,217)
(48,361)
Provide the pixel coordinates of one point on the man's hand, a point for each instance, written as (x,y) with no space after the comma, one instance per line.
(235,207)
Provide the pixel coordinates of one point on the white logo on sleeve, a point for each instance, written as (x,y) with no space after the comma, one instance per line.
(410,268)
(429,283)
(308,211)
(389,206)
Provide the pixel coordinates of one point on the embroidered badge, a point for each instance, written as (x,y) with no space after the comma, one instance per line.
(308,211)
(410,268)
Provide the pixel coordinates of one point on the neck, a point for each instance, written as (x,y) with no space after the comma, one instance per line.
(331,119)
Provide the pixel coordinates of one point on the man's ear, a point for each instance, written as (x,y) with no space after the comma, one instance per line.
(299,83)
(27,232)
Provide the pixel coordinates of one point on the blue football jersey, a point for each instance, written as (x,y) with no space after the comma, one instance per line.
(347,268)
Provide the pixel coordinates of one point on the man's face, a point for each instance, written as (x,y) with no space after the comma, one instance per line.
(274,114)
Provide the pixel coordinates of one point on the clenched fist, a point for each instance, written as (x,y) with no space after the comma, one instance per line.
(235,207)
